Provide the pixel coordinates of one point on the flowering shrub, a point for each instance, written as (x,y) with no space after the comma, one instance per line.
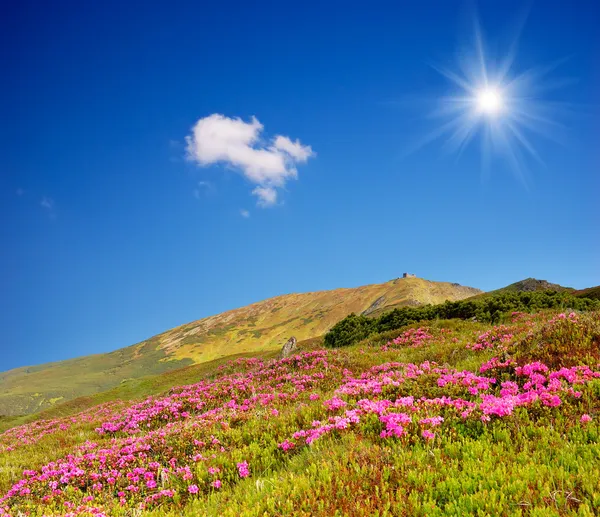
(474,397)
(243,469)
(32,433)
(498,337)
(172,452)
(412,337)
(553,343)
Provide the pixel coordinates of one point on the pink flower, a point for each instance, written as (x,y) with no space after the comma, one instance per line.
(428,434)
(193,489)
(412,337)
(286,445)
(585,419)
(216,483)
(433,421)
(394,424)
(334,403)
(243,469)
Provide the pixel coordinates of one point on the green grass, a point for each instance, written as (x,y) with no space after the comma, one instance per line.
(534,463)
(30,389)
(130,389)
(549,474)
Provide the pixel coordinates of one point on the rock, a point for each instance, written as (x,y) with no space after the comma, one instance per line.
(289,348)
(374,306)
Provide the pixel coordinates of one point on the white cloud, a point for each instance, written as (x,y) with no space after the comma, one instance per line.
(267,196)
(244,213)
(47,203)
(295,149)
(204,187)
(175,151)
(231,141)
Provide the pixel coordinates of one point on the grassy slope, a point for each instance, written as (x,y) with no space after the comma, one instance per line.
(538,462)
(139,389)
(29,389)
(260,327)
(590,292)
(131,389)
(527,285)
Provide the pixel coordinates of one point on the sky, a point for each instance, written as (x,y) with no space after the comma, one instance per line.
(164,161)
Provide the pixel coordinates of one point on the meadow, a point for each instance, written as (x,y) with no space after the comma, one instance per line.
(444,417)
(255,329)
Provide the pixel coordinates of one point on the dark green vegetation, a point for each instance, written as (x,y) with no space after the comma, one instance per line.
(534,285)
(590,292)
(527,286)
(484,308)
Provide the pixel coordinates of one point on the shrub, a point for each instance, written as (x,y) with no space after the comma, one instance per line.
(491,309)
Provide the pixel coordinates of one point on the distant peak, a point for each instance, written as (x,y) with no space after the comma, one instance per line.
(533,284)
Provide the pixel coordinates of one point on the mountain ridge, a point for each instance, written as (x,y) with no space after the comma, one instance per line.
(258,327)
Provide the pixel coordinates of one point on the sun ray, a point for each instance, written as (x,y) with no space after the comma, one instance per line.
(525,142)
(461,136)
(480,52)
(500,105)
(435,134)
(511,56)
(455,78)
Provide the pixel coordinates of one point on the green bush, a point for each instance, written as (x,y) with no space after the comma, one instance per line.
(491,309)
(350,330)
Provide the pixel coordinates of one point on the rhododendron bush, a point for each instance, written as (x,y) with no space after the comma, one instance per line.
(371,428)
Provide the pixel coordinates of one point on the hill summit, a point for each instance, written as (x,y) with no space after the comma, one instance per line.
(258,327)
(533,284)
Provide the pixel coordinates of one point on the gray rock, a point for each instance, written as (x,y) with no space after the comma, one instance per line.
(373,306)
(289,348)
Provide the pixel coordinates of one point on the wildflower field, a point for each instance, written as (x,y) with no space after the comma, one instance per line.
(445,417)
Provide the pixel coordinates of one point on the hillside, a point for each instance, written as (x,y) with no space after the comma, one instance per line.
(529,285)
(590,292)
(485,309)
(438,418)
(260,327)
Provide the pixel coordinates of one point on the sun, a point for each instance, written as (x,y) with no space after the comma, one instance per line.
(489,101)
(504,108)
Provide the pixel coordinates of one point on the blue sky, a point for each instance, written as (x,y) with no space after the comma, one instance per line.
(111,235)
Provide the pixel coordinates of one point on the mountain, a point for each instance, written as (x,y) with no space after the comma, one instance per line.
(533,284)
(260,327)
(527,285)
(590,292)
